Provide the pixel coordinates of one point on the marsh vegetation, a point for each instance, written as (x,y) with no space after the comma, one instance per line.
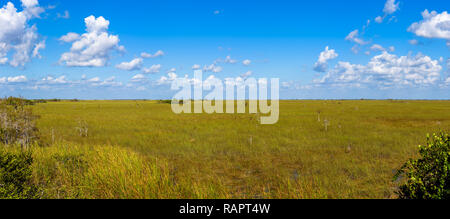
(140,149)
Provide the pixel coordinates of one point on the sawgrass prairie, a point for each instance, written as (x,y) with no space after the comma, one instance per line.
(318,149)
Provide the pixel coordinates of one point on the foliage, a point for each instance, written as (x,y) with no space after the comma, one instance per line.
(54,100)
(40,101)
(429,176)
(16,102)
(17,122)
(16,176)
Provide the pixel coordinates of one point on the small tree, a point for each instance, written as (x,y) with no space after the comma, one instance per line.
(17,122)
(429,176)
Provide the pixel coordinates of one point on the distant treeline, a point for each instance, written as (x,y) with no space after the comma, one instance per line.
(13,101)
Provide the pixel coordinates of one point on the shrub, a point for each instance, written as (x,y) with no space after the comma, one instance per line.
(40,101)
(428,177)
(165,101)
(170,101)
(16,102)
(17,122)
(16,176)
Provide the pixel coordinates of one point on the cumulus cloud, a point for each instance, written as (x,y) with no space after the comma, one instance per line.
(157,54)
(213,68)
(196,67)
(379,19)
(135,64)
(109,82)
(19,41)
(152,70)
(38,46)
(247,74)
(229,60)
(32,8)
(390,7)
(377,47)
(433,25)
(354,37)
(70,37)
(385,70)
(247,62)
(325,56)
(15,79)
(55,81)
(139,78)
(164,80)
(93,48)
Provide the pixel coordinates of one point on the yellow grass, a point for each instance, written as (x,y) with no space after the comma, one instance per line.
(140,149)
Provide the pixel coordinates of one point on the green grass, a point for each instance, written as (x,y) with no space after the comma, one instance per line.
(146,151)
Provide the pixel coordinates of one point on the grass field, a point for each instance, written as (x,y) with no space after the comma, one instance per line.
(318,149)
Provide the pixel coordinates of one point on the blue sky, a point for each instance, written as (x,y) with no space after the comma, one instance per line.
(400,50)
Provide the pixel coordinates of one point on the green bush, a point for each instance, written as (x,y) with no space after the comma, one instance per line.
(16,176)
(428,177)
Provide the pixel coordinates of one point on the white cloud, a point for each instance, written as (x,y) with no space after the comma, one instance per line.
(17,37)
(213,68)
(325,56)
(135,64)
(247,62)
(355,49)
(94,80)
(70,37)
(413,42)
(353,37)
(66,15)
(159,53)
(448,66)
(385,70)
(377,47)
(391,7)
(93,48)
(31,8)
(109,82)
(230,60)
(196,67)
(152,70)
(16,79)
(171,76)
(247,74)
(38,46)
(138,78)
(51,80)
(379,19)
(433,25)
